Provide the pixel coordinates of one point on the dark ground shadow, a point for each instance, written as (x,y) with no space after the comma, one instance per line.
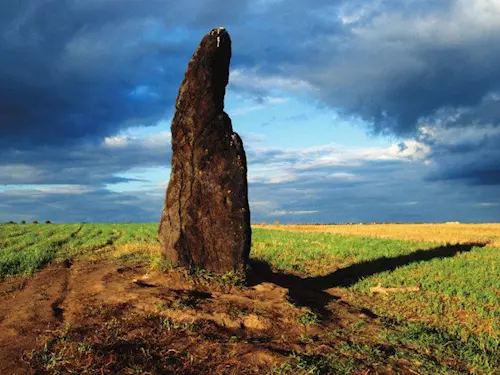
(311,291)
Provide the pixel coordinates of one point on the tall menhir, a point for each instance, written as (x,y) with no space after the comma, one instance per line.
(206,218)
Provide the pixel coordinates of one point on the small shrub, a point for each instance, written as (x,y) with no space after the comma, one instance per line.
(47,222)
(35,222)
(23,222)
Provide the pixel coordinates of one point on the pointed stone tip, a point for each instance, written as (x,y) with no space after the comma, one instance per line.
(208,69)
(219,35)
(218,31)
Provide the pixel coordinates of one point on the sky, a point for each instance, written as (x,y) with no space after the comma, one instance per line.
(349,110)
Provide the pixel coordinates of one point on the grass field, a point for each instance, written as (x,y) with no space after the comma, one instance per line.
(454,313)
(459,285)
(26,248)
(488,234)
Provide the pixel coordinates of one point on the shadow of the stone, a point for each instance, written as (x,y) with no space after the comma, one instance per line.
(311,291)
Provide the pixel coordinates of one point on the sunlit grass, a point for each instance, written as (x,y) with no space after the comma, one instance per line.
(458,299)
(468,282)
(436,233)
(147,254)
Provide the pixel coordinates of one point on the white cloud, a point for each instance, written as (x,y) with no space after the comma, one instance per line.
(463,22)
(154,140)
(343,176)
(333,164)
(409,149)
(65,189)
(41,190)
(253,137)
(244,110)
(162,139)
(410,203)
(339,155)
(251,79)
(253,105)
(282,177)
(116,141)
(488,204)
(287,213)
(457,135)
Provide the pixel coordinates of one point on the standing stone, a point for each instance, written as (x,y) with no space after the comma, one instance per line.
(206,219)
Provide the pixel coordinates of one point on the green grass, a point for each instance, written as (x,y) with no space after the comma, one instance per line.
(467,280)
(479,352)
(309,364)
(36,247)
(25,248)
(456,310)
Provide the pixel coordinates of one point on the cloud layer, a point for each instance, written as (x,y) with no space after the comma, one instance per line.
(75,75)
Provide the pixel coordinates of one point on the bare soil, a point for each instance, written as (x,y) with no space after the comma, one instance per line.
(98,317)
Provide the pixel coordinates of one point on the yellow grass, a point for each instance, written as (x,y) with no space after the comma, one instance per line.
(439,233)
(126,249)
(147,253)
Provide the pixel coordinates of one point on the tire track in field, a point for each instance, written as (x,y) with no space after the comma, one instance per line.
(57,244)
(86,233)
(96,249)
(35,240)
(57,310)
(35,256)
(29,314)
(92,243)
(64,281)
(93,232)
(9,236)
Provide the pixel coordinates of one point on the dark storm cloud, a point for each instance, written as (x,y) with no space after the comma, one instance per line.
(400,66)
(464,143)
(476,162)
(385,195)
(98,205)
(73,69)
(89,163)
(79,68)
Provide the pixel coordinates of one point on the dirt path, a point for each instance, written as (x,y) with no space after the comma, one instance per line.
(102,318)
(29,313)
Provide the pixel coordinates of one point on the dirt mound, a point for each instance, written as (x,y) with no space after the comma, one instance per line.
(96,301)
(102,318)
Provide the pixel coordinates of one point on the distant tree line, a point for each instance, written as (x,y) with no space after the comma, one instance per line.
(24,222)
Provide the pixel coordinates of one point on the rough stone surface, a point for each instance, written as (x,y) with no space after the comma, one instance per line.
(206,218)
